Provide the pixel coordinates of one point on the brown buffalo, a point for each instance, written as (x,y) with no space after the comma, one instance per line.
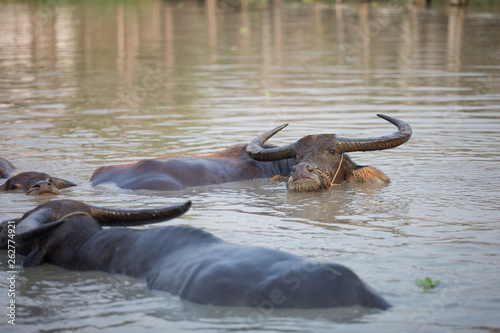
(314,162)
(35,183)
(176,173)
(320,161)
(5,168)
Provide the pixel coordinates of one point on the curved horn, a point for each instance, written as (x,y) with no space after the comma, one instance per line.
(121,217)
(61,183)
(384,142)
(34,225)
(259,153)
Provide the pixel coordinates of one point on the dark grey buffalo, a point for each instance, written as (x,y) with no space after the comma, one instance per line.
(6,168)
(35,183)
(313,163)
(182,260)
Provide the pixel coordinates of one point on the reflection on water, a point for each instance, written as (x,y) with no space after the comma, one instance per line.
(85,84)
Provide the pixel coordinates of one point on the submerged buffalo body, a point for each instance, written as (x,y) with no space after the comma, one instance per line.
(35,183)
(313,163)
(178,173)
(181,260)
(6,168)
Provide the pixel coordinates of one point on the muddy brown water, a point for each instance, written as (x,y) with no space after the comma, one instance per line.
(85,84)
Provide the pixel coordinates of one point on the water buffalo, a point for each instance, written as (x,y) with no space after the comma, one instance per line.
(320,161)
(182,260)
(6,168)
(173,173)
(314,162)
(35,183)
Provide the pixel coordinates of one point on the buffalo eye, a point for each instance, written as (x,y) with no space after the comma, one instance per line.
(333,151)
(14,187)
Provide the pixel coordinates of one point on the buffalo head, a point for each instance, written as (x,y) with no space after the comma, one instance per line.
(46,218)
(35,183)
(320,160)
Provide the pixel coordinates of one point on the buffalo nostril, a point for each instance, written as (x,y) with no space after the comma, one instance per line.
(310,167)
(41,185)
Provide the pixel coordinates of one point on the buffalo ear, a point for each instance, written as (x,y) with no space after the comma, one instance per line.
(38,254)
(279,178)
(61,183)
(36,257)
(32,233)
(368,174)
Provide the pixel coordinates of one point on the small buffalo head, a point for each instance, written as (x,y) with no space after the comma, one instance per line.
(79,220)
(35,183)
(320,160)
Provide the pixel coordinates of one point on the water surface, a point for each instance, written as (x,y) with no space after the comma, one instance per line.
(85,84)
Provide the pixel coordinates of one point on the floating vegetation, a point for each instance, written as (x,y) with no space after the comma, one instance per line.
(427,283)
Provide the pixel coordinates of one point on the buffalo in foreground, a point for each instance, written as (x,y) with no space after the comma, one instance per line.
(35,183)
(182,260)
(313,163)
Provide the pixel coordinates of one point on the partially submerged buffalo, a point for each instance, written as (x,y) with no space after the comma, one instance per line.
(35,183)
(6,168)
(320,161)
(313,163)
(182,260)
